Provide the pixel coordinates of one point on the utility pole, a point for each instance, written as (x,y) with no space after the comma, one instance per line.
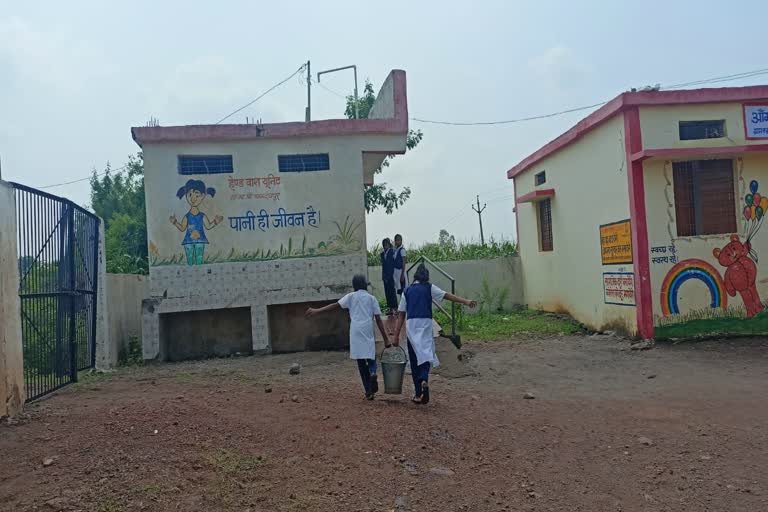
(479,212)
(309,93)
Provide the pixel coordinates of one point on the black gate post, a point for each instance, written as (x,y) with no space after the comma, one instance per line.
(60,352)
(71,293)
(95,284)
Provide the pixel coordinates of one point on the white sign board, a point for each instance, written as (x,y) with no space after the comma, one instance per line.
(756,120)
(619,288)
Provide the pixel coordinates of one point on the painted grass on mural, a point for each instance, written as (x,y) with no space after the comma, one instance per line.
(712,322)
(343,242)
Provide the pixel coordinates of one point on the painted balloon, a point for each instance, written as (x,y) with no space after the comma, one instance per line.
(753,213)
(764,204)
(756,199)
(747,212)
(748,199)
(753,186)
(759,212)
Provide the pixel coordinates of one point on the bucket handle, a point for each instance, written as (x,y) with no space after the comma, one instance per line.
(381,356)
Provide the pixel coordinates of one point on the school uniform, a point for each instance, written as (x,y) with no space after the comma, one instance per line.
(400,255)
(362,307)
(387,277)
(416,303)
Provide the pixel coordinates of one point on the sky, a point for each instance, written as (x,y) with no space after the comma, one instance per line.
(76,75)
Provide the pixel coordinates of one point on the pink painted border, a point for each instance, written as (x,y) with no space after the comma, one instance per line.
(637,99)
(633,143)
(698,151)
(744,117)
(517,217)
(536,195)
(397,125)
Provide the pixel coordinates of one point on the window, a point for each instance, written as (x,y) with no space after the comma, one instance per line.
(303,163)
(540,178)
(705,202)
(545,224)
(696,130)
(205,164)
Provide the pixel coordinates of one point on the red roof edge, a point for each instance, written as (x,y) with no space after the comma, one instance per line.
(631,99)
(536,195)
(395,125)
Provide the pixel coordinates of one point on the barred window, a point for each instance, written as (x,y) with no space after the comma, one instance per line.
(545,225)
(304,163)
(205,164)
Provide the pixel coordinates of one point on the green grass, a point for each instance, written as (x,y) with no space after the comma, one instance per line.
(151,490)
(109,505)
(232,462)
(723,324)
(503,326)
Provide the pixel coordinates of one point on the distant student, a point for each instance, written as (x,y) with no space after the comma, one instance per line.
(401,277)
(416,312)
(363,309)
(387,275)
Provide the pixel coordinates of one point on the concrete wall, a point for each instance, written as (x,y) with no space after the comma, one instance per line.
(671,256)
(125,294)
(590,182)
(12,390)
(660,125)
(469,275)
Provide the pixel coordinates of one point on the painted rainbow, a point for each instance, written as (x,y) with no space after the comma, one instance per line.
(685,271)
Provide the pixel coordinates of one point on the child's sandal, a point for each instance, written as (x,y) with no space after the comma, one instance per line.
(424,393)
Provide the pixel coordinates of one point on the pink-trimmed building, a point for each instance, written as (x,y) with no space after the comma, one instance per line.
(646,216)
(247,224)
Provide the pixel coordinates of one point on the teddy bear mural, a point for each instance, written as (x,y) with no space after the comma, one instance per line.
(740,259)
(740,273)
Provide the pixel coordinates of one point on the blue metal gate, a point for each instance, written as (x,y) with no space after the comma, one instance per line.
(58,245)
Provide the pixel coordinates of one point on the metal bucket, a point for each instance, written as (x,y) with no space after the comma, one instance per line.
(393,361)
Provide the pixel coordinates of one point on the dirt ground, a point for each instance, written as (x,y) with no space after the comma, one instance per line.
(676,428)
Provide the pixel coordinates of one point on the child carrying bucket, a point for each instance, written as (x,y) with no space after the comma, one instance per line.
(363,309)
(416,313)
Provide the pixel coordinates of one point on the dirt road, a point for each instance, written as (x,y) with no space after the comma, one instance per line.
(676,428)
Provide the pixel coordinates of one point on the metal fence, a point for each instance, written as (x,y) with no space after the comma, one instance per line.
(58,244)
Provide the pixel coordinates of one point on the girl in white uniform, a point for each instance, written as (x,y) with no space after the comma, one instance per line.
(363,309)
(416,309)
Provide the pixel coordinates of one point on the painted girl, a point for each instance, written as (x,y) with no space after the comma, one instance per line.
(195,222)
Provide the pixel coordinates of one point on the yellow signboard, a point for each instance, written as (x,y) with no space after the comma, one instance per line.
(616,243)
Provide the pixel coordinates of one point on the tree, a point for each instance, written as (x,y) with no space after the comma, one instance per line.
(379,195)
(118,198)
(446,240)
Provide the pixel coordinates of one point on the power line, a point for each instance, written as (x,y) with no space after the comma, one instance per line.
(726,78)
(116,171)
(718,79)
(301,68)
(509,121)
(335,93)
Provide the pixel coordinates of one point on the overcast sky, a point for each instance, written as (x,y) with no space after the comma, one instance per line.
(76,75)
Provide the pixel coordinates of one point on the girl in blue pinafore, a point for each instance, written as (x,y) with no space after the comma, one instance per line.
(195,222)
(416,310)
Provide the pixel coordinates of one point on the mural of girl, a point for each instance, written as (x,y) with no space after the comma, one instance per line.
(194,221)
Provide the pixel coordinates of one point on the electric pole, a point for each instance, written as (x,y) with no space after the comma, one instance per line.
(479,212)
(309,93)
